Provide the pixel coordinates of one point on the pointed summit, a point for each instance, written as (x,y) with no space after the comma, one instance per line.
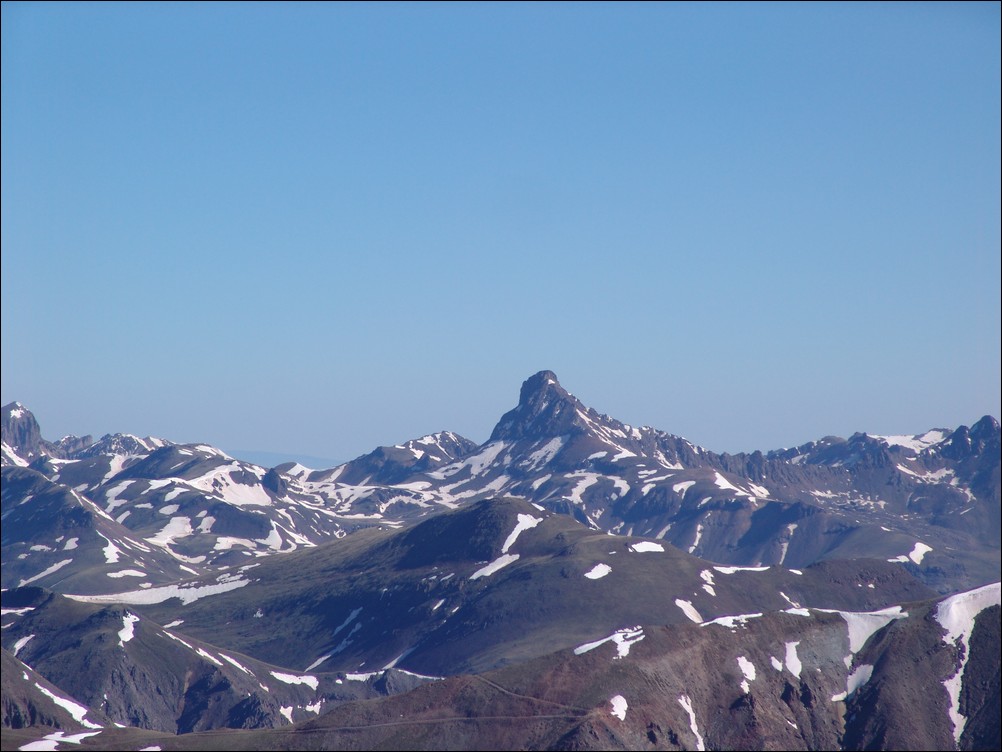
(21,435)
(539,384)
(544,409)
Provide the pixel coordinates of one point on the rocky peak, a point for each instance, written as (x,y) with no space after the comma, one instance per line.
(71,446)
(122,444)
(966,442)
(21,432)
(540,386)
(985,430)
(544,409)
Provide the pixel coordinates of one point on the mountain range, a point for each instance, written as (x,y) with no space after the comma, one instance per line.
(606,585)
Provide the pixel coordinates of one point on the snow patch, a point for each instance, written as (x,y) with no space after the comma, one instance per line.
(75,709)
(681,488)
(128,630)
(362,677)
(161,594)
(500,562)
(53,740)
(915,443)
(619,707)
(748,669)
(623,638)
(588,480)
(525,522)
(46,572)
(125,573)
(647,547)
(695,541)
(598,571)
(310,681)
(732,622)
(689,610)
(233,662)
(21,643)
(919,550)
(546,453)
(856,679)
(707,576)
(209,657)
(178,527)
(863,624)
(725,485)
(793,663)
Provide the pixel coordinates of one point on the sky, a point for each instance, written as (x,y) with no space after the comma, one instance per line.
(314,229)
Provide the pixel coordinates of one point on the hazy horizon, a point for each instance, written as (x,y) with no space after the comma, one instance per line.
(316,229)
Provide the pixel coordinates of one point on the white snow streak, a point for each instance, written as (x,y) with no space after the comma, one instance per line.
(623,638)
(75,709)
(21,643)
(45,573)
(689,610)
(686,703)
(160,594)
(525,522)
(695,541)
(234,662)
(957,614)
(502,561)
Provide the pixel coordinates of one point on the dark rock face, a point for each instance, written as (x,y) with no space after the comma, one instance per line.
(274,482)
(20,432)
(74,446)
(980,692)
(545,409)
(29,700)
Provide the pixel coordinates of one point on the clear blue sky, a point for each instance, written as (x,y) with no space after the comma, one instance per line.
(320,228)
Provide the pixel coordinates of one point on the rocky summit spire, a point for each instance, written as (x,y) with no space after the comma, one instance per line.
(20,431)
(544,409)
